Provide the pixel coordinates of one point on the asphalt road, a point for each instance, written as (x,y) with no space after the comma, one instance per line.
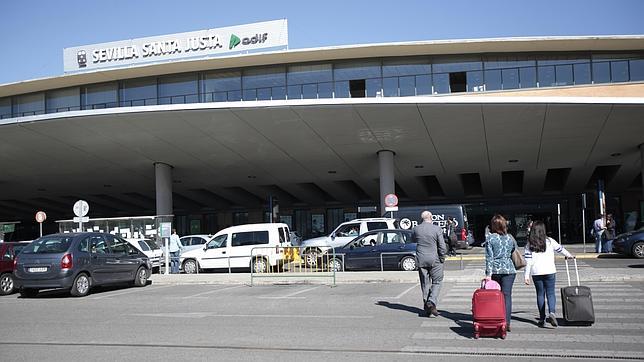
(374,322)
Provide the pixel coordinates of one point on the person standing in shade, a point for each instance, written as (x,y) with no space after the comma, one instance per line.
(599,227)
(609,234)
(540,258)
(175,250)
(499,246)
(430,252)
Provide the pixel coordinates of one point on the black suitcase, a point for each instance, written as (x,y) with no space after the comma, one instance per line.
(577,302)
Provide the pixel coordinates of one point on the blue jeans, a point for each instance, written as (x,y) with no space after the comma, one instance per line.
(598,242)
(174,262)
(506,281)
(545,286)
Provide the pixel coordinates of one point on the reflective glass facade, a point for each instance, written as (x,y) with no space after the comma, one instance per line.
(389,77)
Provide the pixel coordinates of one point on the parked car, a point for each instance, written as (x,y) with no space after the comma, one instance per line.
(393,248)
(313,249)
(232,247)
(8,251)
(191,242)
(150,249)
(630,243)
(78,262)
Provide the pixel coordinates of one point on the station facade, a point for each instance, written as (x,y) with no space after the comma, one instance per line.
(314,137)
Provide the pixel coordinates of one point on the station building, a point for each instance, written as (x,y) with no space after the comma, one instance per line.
(218,127)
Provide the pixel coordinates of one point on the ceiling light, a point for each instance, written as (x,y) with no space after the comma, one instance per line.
(332,171)
(251,176)
(107,185)
(513,161)
(419,166)
(616,154)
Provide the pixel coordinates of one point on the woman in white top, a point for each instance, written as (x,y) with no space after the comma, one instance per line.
(540,258)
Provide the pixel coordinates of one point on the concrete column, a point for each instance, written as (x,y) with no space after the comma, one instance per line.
(642,167)
(386,171)
(163,183)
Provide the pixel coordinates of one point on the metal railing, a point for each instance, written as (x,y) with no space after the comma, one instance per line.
(280,262)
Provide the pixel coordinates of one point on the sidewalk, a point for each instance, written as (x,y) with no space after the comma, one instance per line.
(577,249)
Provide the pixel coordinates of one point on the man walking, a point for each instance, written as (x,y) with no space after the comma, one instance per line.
(430,251)
(599,227)
(175,250)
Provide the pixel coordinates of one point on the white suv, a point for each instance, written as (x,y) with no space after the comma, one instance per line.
(311,249)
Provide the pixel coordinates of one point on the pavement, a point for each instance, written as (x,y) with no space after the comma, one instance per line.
(466,267)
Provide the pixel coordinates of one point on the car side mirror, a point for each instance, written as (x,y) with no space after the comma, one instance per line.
(332,236)
(351,247)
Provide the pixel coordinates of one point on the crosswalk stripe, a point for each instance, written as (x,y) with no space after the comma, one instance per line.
(532,298)
(530,306)
(638,296)
(582,338)
(522,352)
(532,327)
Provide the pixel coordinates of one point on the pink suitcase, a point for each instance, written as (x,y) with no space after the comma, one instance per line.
(488,310)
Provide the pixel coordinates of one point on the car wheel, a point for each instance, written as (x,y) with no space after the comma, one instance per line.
(28,293)
(190,266)
(260,265)
(336,265)
(6,284)
(80,287)
(311,257)
(408,263)
(141,278)
(638,250)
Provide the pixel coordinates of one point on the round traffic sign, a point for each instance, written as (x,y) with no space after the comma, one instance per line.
(81,208)
(391,200)
(41,216)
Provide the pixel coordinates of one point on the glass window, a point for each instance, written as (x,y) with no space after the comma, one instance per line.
(84,245)
(407,86)
(305,81)
(619,71)
(29,104)
(397,67)
(509,78)
(546,75)
(342,89)
(5,107)
(393,237)
(62,100)
(377,225)
(144,246)
(139,92)
(250,238)
(563,75)
(264,84)
(493,80)
(452,65)
(240,218)
(441,83)
(581,72)
(49,245)
(374,87)
(118,245)
(98,244)
(356,70)
(528,77)
(352,229)
(104,95)
(181,88)
(218,242)
(475,81)
(601,72)
(636,67)
(423,84)
(221,86)
(7,254)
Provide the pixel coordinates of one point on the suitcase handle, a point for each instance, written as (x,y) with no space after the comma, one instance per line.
(576,271)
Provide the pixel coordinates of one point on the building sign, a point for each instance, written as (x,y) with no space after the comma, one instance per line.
(197,44)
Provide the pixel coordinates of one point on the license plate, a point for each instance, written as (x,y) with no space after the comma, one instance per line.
(37,270)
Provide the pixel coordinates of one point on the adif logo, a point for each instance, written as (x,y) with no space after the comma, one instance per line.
(234,41)
(81,57)
(255,39)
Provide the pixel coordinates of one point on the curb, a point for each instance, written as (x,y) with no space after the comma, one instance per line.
(482,257)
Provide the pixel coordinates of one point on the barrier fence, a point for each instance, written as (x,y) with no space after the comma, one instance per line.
(285,262)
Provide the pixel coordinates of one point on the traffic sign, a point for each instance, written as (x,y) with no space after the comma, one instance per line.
(81,208)
(391,208)
(391,200)
(81,219)
(41,216)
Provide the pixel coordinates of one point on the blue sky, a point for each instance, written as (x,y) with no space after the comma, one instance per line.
(33,33)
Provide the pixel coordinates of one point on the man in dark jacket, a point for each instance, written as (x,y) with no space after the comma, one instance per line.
(430,251)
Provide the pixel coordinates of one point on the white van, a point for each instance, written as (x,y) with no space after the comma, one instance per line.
(231,248)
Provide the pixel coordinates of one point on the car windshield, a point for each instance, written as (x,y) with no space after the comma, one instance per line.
(218,242)
(49,245)
(144,246)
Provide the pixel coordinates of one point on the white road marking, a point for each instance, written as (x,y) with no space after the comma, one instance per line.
(291,295)
(558,337)
(401,294)
(212,291)
(130,291)
(214,315)
(527,351)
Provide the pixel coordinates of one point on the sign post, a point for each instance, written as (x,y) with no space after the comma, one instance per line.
(391,203)
(164,232)
(81,208)
(40,218)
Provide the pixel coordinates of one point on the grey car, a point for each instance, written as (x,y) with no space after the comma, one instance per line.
(78,262)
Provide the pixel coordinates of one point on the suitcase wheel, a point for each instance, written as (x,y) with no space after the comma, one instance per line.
(476,335)
(503,335)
